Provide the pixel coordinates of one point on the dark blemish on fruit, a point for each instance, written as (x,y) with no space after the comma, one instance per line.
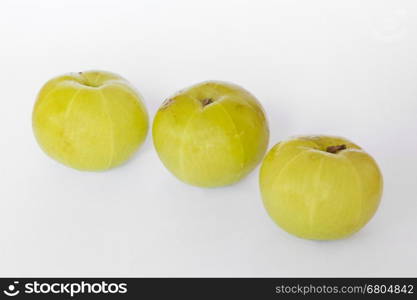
(166,103)
(206,101)
(239,107)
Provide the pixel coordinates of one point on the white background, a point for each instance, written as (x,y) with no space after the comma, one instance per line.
(346,68)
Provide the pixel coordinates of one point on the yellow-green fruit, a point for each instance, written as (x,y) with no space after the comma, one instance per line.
(211,134)
(320,187)
(89,120)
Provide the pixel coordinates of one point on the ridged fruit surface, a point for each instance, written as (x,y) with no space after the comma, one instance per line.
(320,187)
(91,120)
(211,134)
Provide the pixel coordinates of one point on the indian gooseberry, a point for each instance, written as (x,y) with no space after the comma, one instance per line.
(320,187)
(91,120)
(211,134)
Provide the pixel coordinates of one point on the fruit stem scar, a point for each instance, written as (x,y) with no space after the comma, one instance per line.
(206,101)
(335,149)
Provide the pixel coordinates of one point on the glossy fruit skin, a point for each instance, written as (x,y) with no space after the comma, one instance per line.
(211,134)
(318,195)
(92,120)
